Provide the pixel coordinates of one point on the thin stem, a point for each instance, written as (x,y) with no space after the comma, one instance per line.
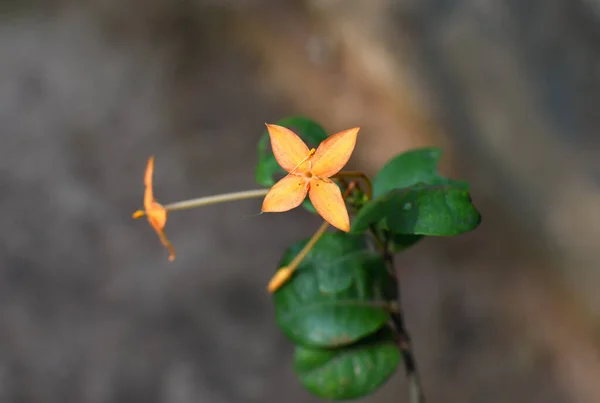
(416,394)
(309,245)
(357,174)
(222,198)
(284,273)
(379,242)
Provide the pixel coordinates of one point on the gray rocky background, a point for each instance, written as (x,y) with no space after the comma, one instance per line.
(92,312)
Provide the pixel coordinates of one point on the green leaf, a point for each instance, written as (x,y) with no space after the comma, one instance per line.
(348,372)
(268,170)
(400,242)
(338,295)
(410,168)
(421,210)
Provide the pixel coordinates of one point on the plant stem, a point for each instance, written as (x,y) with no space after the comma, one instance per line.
(284,273)
(222,198)
(415,392)
(357,174)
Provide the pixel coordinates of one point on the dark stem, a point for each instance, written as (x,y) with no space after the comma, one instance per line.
(415,391)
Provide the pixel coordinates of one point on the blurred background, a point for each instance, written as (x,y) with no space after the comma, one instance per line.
(92,312)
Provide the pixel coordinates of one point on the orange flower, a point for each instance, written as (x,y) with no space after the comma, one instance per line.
(309,173)
(156,213)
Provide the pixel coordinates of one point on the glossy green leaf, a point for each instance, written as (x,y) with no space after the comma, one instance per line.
(348,372)
(337,296)
(268,170)
(421,210)
(411,168)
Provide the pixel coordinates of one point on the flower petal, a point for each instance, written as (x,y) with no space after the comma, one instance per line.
(334,152)
(154,211)
(326,196)
(148,193)
(289,149)
(167,244)
(285,195)
(157,217)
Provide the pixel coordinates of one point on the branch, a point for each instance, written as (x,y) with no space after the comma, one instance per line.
(415,391)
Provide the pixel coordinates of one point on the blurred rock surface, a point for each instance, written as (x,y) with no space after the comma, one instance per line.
(91,310)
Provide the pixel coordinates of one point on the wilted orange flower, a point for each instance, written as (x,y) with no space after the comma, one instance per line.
(309,173)
(156,213)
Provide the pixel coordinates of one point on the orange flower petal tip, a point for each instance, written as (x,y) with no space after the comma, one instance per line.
(279,279)
(138,214)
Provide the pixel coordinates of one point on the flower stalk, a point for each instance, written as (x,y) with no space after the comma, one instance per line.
(285,273)
(215,199)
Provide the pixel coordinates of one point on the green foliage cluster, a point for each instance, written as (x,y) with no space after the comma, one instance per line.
(339,306)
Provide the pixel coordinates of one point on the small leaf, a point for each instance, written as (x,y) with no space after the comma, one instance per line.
(410,168)
(268,170)
(421,210)
(338,295)
(348,372)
